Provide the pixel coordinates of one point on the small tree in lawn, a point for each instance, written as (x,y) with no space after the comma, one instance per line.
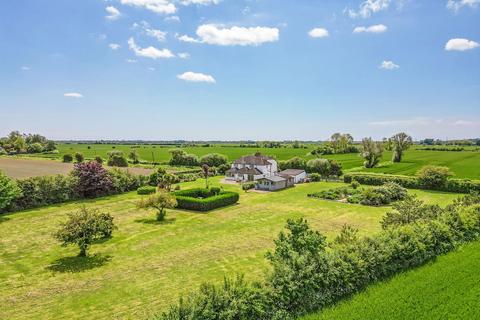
(79,158)
(166,180)
(160,201)
(133,155)
(84,227)
(372,152)
(400,142)
(206,172)
(9,191)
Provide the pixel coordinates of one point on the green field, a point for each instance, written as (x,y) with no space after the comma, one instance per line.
(147,265)
(448,288)
(465,164)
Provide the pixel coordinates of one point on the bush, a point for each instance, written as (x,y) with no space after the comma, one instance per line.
(214,160)
(215,190)
(315,177)
(204,199)
(146,190)
(79,157)
(433,177)
(9,191)
(67,158)
(35,148)
(181,158)
(99,159)
(293,163)
(222,169)
(93,180)
(117,159)
(324,167)
(248,186)
(124,181)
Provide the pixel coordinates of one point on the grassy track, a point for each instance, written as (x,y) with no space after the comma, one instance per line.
(146,265)
(446,289)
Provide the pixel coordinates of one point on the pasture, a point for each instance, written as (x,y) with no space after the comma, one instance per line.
(146,265)
(448,288)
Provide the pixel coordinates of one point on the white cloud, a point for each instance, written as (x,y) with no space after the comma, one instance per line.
(184,55)
(157,6)
(377,28)
(425,121)
(460,45)
(113,13)
(318,33)
(186,38)
(149,31)
(25,68)
(389,65)
(114,46)
(172,19)
(200,2)
(73,95)
(131,61)
(368,7)
(149,52)
(253,36)
(196,77)
(456,5)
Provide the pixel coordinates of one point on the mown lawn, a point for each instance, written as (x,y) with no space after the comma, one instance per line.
(147,265)
(448,288)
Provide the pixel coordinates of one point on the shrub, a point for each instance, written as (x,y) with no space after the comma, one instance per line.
(215,190)
(67,158)
(117,159)
(223,168)
(134,156)
(355,184)
(248,186)
(145,190)
(181,158)
(93,180)
(124,181)
(35,148)
(293,163)
(433,177)
(204,199)
(9,191)
(83,228)
(324,167)
(79,157)
(214,160)
(99,159)
(315,177)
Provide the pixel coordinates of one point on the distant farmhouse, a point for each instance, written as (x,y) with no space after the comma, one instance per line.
(264,170)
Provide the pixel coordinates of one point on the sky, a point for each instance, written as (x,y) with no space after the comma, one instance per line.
(240,69)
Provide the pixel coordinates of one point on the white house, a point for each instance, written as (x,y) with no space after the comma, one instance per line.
(252,168)
(298,175)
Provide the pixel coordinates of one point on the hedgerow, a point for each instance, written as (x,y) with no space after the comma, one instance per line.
(309,273)
(204,199)
(146,190)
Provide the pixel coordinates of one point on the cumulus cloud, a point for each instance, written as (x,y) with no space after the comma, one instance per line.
(200,2)
(456,5)
(73,95)
(318,33)
(196,77)
(459,44)
(113,13)
(388,65)
(157,6)
(151,32)
(377,28)
(149,52)
(114,46)
(234,36)
(368,7)
(184,55)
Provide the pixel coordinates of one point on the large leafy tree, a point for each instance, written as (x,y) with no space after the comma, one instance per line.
(84,227)
(92,180)
(400,142)
(160,201)
(372,152)
(134,156)
(9,191)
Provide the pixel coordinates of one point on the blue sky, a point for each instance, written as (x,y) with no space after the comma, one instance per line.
(240,69)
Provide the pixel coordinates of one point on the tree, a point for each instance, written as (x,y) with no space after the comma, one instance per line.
(181,158)
(19,145)
(133,155)
(84,227)
(79,157)
(213,159)
(117,159)
(372,152)
(9,191)
(67,157)
(320,166)
(160,201)
(293,163)
(433,177)
(50,146)
(35,147)
(166,180)
(92,180)
(400,142)
(206,172)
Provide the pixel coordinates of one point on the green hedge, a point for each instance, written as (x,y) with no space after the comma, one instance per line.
(204,199)
(377,179)
(146,190)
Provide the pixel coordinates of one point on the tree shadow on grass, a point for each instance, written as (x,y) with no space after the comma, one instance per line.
(3,218)
(79,264)
(155,222)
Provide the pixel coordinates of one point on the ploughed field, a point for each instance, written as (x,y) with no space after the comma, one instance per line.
(448,288)
(147,265)
(464,164)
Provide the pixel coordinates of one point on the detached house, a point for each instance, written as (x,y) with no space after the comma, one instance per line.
(252,168)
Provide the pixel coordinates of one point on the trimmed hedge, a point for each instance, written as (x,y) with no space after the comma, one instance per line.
(146,190)
(204,199)
(412,182)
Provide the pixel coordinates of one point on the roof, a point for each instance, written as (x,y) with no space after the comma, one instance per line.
(253,171)
(291,172)
(255,160)
(274,178)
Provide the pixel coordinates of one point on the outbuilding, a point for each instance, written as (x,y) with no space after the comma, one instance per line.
(274,183)
(298,175)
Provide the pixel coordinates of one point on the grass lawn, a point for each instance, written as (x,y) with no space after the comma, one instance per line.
(448,288)
(147,265)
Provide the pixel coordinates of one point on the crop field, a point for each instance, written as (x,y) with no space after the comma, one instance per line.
(464,164)
(146,265)
(448,288)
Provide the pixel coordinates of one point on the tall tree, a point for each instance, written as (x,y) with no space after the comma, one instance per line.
(400,142)
(372,152)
